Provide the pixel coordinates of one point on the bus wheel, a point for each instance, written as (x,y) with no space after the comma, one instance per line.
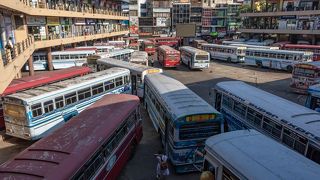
(289,69)
(229,59)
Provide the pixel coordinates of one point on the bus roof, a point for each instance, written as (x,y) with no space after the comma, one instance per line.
(300,118)
(256,156)
(44,78)
(168,49)
(193,50)
(59,155)
(179,99)
(78,51)
(57,87)
(302,46)
(224,46)
(315,64)
(254,46)
(131,66)
(281,51)
(314,89)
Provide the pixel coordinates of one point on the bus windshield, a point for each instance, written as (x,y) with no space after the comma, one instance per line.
(304,72)
(202,57)
(199,130)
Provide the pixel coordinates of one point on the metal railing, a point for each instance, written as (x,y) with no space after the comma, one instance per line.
(84,8)
(8,55)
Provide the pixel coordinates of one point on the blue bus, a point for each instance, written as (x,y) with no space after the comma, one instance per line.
(183,120)
(247,107)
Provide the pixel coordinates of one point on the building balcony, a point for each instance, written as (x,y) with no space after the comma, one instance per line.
(279,31)
(280,13)
(62,10)
(12,60)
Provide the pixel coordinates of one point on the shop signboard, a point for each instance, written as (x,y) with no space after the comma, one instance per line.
(53,21)
(65,21)
(80,21)
(90,22)
(35,20)
(133,25)
(162,22)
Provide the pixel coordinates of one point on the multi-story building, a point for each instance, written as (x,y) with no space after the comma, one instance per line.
(286,20)
(46,24)
(161,12)
(225,18)
(181,11)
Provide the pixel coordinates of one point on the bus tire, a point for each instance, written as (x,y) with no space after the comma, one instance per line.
(229,59)
(259,64)
(289,69)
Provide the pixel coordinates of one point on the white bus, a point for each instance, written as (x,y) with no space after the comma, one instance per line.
(61,59)
(183,119)
(120,54)
(137,72)
(194,58)
(225,52)
(293,125)
(247,154)
(276,59)
(32,114)
(139,57)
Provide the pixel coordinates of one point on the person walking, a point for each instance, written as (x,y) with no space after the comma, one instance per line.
(162,166)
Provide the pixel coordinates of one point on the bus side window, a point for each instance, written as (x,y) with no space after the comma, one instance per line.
(313,154)
(217,102)
(228,175)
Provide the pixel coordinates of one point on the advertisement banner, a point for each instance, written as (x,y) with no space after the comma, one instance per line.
(162,22)
(134,25)
(53,21)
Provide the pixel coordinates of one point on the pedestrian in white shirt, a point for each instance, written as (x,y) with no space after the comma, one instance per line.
(162,166)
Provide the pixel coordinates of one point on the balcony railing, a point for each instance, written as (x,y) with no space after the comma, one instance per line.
(9,54)
(85,8)
(275,9)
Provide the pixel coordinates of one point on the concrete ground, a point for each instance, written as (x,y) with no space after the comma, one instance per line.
(143,165)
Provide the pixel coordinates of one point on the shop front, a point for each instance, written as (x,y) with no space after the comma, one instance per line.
(66,24)
(78,27)
(54,28)
(37,27)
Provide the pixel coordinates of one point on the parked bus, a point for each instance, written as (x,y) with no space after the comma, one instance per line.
(182,118)
(120,54)
(194,58)
(139,57)
(225,53)
(276,59)
(117,44)
(168,41)
(313,98)
(247,154)
(148,46)
(293,125)
(168,57)
(29,82)
(96,144)
(137,72)
(133,43)
(61,59)
(197,43)
(34,113)
(305,75)
(302,47)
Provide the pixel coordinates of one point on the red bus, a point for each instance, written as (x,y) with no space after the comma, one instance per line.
(95,144)
(39,80)
(302,47)
(148,46)
(168,57)
(169,41)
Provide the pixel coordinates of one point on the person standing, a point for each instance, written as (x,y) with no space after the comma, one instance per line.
(162,166)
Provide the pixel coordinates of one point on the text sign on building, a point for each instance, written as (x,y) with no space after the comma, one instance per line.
(162,22)
(35,20)
(134,25)
(186,30)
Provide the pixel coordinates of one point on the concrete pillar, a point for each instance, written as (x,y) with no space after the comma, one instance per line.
(30,64)
(49,62)
(313,39)
(62,47)
(74,45)
(85,43)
